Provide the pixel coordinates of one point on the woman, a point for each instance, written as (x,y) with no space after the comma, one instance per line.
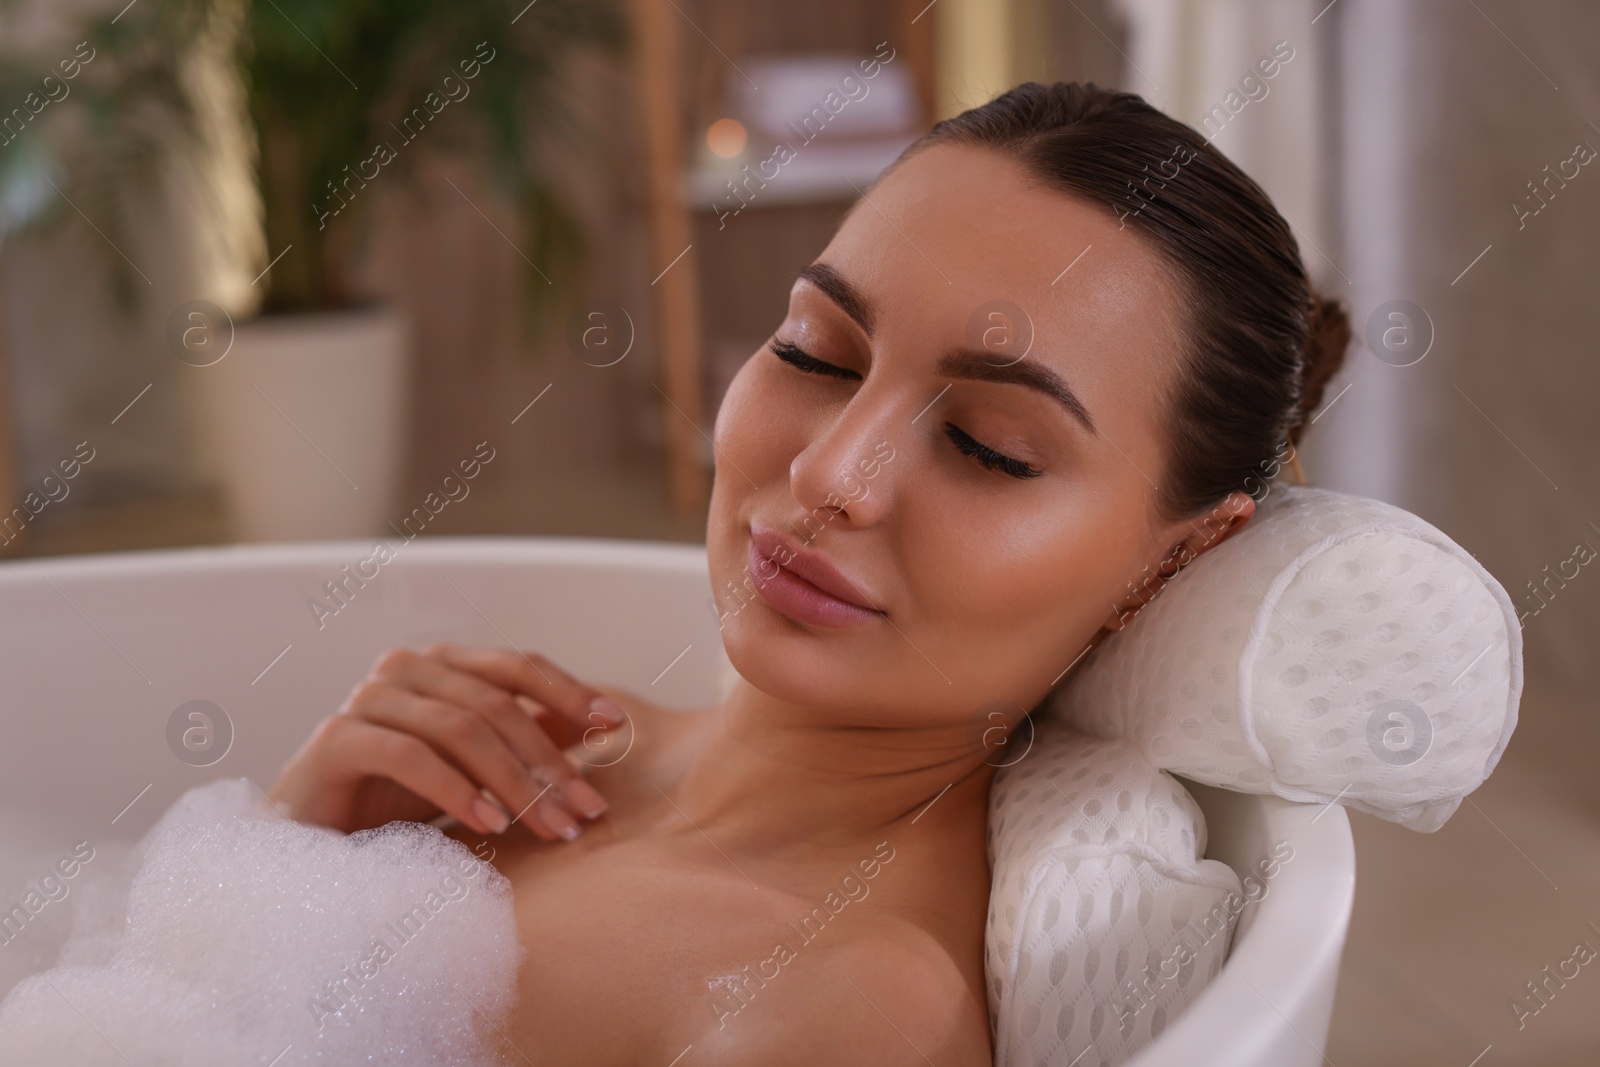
(1040,367)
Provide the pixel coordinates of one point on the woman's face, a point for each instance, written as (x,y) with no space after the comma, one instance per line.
(864,435)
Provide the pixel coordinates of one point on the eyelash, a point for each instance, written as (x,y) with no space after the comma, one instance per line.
(803,361)
(800,359)
(988,456)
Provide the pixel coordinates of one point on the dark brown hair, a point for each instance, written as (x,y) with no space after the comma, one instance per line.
(1263,345)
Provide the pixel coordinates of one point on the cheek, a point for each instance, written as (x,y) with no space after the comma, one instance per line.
(731,429)
(750,445)
(1020,578)
(753,425)
(1013,594)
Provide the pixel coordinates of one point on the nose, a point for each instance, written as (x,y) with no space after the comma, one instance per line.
(844,475)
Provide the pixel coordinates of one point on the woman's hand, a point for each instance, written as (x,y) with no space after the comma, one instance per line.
(424,732)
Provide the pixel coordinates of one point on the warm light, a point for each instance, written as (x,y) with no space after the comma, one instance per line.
(726,138)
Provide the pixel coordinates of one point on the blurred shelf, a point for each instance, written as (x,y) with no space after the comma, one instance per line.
(625,501)
(817,173)
(180,521)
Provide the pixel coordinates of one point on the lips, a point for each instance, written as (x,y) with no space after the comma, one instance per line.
(803,585)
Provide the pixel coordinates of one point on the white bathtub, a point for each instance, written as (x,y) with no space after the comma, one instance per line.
(98,653)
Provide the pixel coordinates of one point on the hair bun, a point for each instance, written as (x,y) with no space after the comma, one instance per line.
(1327,340)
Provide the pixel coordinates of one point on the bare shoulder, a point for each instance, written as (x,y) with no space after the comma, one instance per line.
(889,995)
(909,999)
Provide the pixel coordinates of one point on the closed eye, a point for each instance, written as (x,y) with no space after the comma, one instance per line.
(800,359)
(987,456)
(805,362)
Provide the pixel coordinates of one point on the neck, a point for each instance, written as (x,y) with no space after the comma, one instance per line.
(775,775)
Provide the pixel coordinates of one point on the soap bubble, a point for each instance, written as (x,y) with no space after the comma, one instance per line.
(238,936)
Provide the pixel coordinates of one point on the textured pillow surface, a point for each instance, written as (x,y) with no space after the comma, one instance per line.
(1104,922)
(1336,648)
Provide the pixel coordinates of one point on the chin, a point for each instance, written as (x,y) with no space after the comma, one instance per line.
(791,663)
(771,652)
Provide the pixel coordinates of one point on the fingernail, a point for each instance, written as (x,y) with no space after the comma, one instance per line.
(608,710)
(490,814)
(586,797)
(559,821)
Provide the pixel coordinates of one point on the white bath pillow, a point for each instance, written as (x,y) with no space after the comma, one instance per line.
(1104,920)
(1336,649)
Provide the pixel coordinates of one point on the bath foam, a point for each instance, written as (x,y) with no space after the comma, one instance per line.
(231,934)
(38,904)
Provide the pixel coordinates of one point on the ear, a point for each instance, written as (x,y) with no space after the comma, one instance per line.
(1195,536)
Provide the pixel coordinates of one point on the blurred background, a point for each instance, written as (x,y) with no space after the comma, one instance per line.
(339,268)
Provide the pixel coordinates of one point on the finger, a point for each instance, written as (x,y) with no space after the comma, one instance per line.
(371,749)
(430,676)
(531,795)
(583,707)
(521,675)
(562,733)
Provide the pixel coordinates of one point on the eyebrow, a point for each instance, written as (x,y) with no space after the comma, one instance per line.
(841,292)
(964,363)
(975,365)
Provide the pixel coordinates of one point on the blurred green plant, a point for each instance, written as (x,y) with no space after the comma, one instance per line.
(336,91)
(97,143)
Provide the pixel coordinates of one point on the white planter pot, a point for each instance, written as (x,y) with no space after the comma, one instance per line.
(307,414)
